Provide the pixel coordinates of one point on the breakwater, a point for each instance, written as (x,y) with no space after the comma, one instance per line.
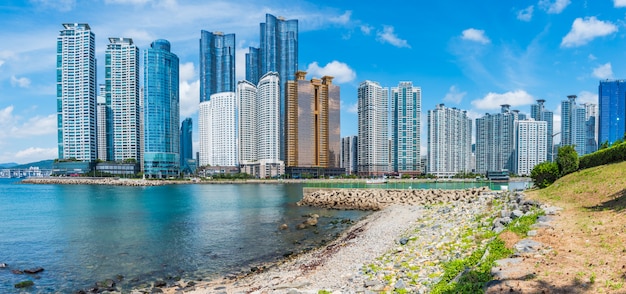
(377,199)
(98,181)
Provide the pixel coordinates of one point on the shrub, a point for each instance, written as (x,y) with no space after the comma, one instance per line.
(544,174)
(613,154)
(567,160)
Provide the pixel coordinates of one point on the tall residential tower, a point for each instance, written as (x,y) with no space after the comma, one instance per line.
(449,141)
(373,128)
(406,111)
(538,112)
(76,92)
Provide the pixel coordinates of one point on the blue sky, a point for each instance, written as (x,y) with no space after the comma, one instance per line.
(473,55)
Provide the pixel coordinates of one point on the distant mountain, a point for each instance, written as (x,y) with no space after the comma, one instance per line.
(44,164)
(8,165)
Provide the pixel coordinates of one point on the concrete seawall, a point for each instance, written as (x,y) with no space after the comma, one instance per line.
(376,199)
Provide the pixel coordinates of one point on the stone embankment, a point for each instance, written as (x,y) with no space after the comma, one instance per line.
(96,181)
(377,199)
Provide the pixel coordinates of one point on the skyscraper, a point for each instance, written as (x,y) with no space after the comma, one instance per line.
(530,145)
(406,111)
(186,144)
(612,111)
(76,92)
(538,112)
(591,127)
(573,119)
(217,64)
(449,141)
(312,125)
(495,141)
(268,117)
(248,135)
(122,99)
(161,111)
(278,52)
(349,154)
(373,128)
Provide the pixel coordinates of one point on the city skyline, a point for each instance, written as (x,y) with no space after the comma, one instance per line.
(512,54)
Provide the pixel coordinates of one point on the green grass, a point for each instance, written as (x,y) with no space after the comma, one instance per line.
(522,225)
(478,274)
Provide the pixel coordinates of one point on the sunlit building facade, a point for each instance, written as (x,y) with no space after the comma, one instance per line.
(312,125)
(495,141)
(538,112)
(530,145)
(612,111)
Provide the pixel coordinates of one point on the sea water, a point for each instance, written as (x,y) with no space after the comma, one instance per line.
(81,234)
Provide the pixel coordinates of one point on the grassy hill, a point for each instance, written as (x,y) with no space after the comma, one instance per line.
(588,238)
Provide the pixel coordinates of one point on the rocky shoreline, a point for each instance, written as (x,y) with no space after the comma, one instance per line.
(401,247)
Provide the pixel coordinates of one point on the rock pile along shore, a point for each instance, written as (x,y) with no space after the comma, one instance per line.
(377,199)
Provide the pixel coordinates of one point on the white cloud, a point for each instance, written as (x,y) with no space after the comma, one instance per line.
(341,72)
(139,35)
(475,35)
(526,14)
(592,57)
(1,62)
(587,29)
(494,100)
(555,7)
(36,126)
(587,97)
(33,154)
(366,29)
(60,5)
(454,95)
(603,71)
(341,19)
(189,90)
(350,108)
(619,3)
(387,35)
(20,82)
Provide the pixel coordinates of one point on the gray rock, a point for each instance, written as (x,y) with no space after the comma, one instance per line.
(532,233)
(516,213)
(505,220)
(527,246)
(400,284)
(403,241)
(552,210)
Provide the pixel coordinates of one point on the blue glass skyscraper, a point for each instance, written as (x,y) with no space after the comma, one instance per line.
(161,111)
(186,143)
(278,52)
(612,100)
(217,64)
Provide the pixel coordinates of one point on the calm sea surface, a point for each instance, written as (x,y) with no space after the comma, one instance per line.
(81,234)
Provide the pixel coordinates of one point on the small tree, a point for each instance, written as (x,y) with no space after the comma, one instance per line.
(567,160)
(544,174)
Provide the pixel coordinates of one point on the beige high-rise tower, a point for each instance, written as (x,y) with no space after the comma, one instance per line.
(312,127)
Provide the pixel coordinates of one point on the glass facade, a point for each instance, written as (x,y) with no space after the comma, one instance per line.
(278,52)
(217,64)
(186,142)
(161,111)
(612,103)
(76,92)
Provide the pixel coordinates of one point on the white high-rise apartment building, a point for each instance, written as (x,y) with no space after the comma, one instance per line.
(101,114)
(76,92)
(530,145)
(259,123)
(373,128)
(449,141)
(406,111)
(495,141)
(122,98)
(218,130)
(247,97)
